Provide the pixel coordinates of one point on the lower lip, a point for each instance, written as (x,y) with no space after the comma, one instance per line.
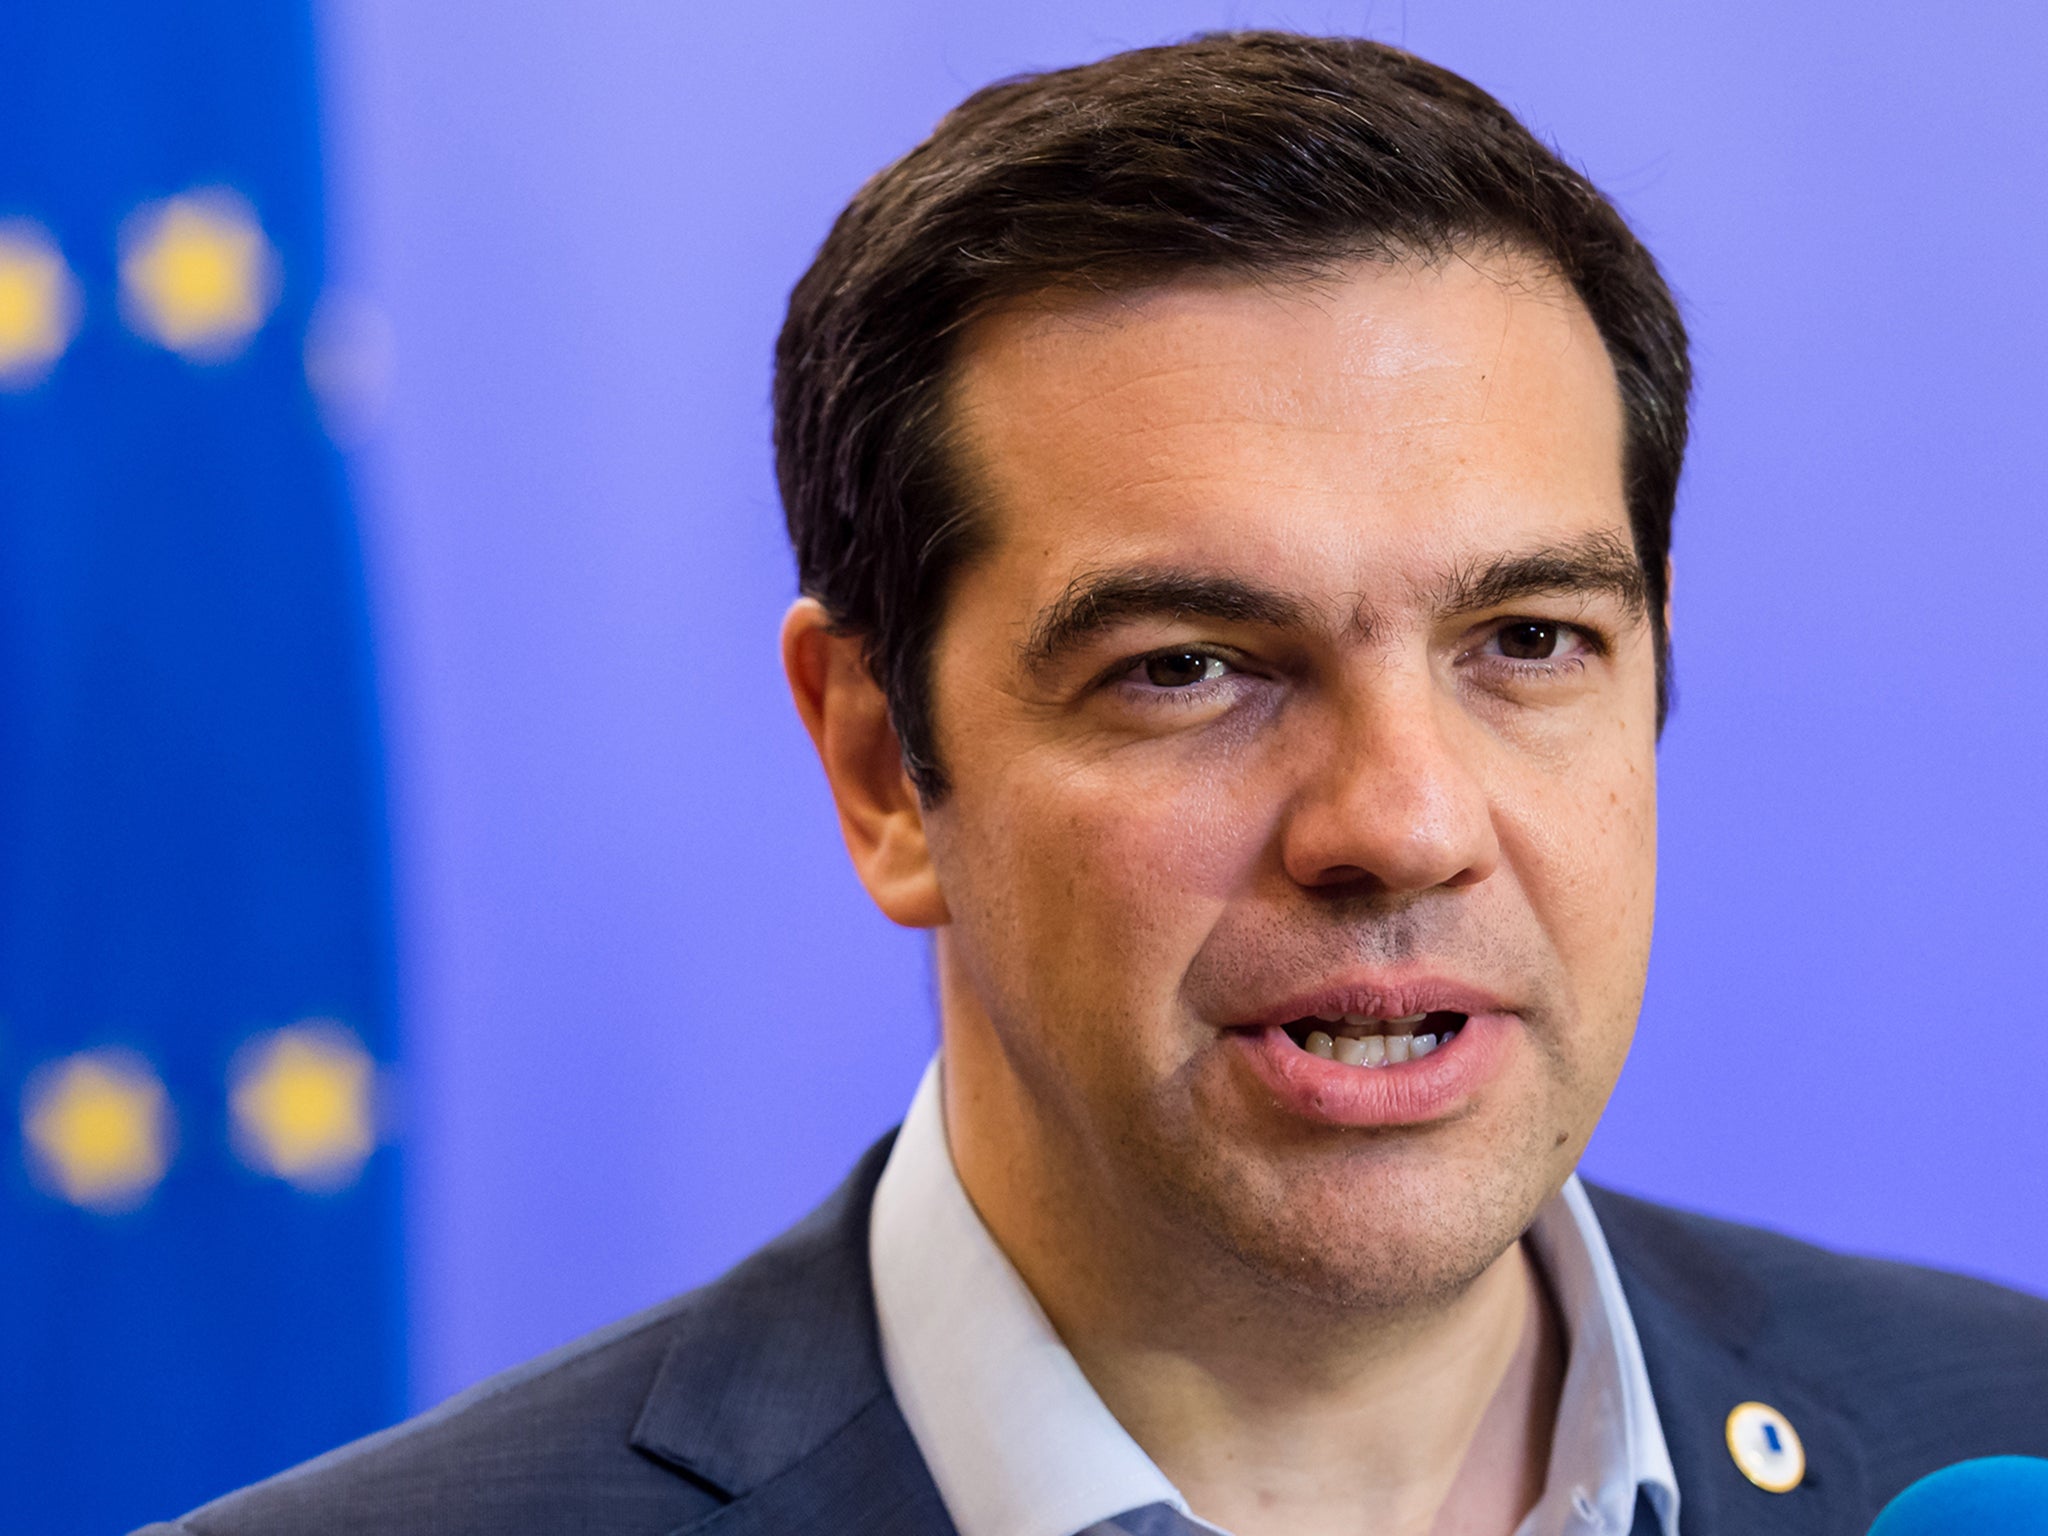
(1406,1093)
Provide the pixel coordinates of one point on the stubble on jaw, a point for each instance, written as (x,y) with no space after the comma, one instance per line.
(1193,1222)
(1376,1222)
(1416,1254)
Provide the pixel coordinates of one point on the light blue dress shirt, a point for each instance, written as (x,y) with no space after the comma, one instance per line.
(1019,1444)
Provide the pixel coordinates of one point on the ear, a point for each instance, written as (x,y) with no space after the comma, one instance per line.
(847,715)
(1670,585)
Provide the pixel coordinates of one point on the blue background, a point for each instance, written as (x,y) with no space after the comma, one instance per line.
(647,1016)
(192,838)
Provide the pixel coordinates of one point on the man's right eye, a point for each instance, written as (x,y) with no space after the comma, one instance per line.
(1182,669)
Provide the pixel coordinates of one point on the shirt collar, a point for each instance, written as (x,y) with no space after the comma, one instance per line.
(1019,1444)
(1609,1441)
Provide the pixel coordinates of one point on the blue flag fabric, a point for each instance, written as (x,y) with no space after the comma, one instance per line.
(199,1219)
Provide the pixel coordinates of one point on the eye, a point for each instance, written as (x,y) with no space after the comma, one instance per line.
(1182,669)
(1536,640)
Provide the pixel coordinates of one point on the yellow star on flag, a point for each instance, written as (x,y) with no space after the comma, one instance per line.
(38,304)
(98,1128)
(300,1098)
(197,274)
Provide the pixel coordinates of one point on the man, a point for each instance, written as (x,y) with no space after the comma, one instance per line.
(1232,489)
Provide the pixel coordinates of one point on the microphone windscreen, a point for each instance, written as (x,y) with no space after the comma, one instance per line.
(1993,1496)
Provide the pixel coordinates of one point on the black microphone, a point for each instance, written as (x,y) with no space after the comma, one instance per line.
(1992,1496)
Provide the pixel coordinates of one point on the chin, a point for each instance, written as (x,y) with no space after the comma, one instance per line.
(1396,1228)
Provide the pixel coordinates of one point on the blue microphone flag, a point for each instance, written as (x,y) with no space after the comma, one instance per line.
(1991,1496)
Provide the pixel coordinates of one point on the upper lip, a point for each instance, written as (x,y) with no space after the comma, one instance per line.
(1374,997)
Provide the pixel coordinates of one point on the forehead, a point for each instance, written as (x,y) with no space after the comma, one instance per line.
(1440,411)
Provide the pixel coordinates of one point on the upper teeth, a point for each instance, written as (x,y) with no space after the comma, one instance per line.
(1373,1050)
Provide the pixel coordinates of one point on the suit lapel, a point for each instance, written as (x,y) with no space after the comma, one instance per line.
(1696,1380)
(866,1480)
(773,1397)
(1702,1325)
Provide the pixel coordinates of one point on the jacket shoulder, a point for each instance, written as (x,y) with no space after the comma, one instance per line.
(540,1447)
(641,1427)
(1903,1350)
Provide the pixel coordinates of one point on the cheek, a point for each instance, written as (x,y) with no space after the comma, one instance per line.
(1113,876)
(1583,846)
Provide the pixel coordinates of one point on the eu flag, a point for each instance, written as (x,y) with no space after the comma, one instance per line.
(199,1255)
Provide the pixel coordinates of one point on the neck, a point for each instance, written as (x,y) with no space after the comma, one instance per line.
(1423,1425)
(1271,1411)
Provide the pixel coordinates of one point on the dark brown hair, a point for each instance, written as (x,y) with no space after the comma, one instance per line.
(1256,152)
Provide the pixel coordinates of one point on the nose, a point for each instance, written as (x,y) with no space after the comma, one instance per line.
(1391,801)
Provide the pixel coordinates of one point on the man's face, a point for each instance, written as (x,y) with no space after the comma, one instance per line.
(1305,676)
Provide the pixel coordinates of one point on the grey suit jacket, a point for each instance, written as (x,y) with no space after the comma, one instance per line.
(759,1405)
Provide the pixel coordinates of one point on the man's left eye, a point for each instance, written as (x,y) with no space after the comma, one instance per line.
(1535,640)
(1182,669)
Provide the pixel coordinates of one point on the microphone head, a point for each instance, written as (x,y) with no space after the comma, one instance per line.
(1992,1496)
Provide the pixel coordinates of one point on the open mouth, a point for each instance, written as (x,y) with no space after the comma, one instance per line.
(1357,1040)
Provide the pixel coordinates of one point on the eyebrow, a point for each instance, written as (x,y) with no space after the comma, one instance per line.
(1593,564)
(1095,602)
(1098,601)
